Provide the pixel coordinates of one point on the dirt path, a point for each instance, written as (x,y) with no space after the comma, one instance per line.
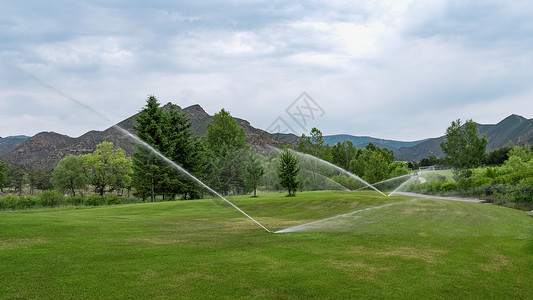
(440,197)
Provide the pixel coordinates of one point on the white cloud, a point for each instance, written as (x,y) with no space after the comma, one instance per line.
(393,69)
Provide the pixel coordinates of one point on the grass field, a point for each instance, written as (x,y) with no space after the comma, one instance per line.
(411,249)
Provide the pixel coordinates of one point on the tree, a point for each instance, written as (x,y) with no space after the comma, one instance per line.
(169,133)
(254,171)
(16,179)
(287,171)
(107,169)
(343,153)
(40,179)
(315,145)
(68,175)
(224,131)
(377,168)
(226,140)
(463,148)
(3,175)
(148,168)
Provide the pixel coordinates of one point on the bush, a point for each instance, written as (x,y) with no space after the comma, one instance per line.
(522,193)
(113,199)
(94,200)
(74,200)
(50,198)
(26,202)
(8,202)
(448,187)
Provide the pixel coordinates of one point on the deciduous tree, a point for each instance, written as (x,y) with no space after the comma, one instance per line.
(68,175)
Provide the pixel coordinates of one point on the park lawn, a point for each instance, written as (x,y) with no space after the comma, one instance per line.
(421,248)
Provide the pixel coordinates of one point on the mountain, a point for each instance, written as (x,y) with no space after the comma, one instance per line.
(515,129)
(362,141)
(10,143)
(46,149)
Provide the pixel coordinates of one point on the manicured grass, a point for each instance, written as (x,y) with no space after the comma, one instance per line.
(196,249)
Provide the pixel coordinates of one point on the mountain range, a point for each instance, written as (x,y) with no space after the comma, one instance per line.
(46,149)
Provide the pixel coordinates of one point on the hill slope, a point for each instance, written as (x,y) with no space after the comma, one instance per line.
(362,141)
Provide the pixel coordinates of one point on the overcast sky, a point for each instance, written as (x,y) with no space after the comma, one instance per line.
(391,69)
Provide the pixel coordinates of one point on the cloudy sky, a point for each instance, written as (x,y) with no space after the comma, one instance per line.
(391,69)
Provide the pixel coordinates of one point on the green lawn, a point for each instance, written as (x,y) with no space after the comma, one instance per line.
(197,249)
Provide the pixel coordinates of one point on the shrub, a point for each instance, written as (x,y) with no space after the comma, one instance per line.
(522,193)
(26,202)
(113,199)
(465,183)
(50,198)
(448,186)
(8,202)
(480,182)
(94,200)
(74,200)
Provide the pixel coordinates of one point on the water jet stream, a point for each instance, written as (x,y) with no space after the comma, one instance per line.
(338,169)
(305,226)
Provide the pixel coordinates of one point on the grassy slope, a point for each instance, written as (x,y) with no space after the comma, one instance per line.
(195,249)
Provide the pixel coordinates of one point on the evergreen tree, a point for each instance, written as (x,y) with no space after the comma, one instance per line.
(3,175)
(288,171)
(169,133)
(16,179)
(225,138)
(254,171)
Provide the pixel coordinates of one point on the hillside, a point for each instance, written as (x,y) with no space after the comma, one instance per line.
(362,141)
(46,149)
(10,143)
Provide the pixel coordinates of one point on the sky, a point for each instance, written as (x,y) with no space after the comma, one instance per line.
(400,70)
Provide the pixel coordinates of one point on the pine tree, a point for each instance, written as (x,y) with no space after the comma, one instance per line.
(287,171)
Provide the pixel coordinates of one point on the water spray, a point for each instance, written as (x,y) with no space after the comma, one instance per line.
(338,169)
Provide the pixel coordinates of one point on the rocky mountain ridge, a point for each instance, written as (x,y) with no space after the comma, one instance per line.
(46,149)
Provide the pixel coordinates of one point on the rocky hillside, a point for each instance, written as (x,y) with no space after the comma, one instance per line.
(11,143)
(46,149)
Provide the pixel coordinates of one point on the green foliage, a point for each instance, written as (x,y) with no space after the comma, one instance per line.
(462,147)
(3,175)
(224,132)
(16,179)
(225,140)
(343,153)
(74,200)
(39,179)
(169,133)
(50,198)
(315,145)
(94,200)
(107,169)
(112,200)
(287,172)
(68,175)
(8,202)
(497,157)
(254,171)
